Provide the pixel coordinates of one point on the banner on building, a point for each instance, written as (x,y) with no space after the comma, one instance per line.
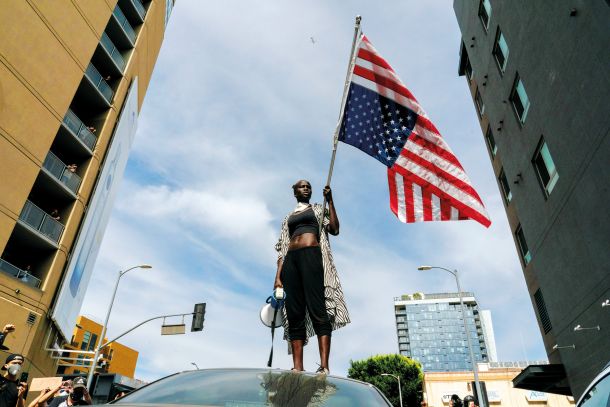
(82,259)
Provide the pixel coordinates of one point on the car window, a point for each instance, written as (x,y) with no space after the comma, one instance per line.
(256,388)
(598,395)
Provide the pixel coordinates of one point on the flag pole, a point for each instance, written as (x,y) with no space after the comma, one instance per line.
(350,70)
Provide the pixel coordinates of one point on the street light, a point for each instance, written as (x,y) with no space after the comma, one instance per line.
(195,364)
(93,363)
(475,369)
(399,390)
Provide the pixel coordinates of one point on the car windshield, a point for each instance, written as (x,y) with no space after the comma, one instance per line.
(232,388)
(598,395)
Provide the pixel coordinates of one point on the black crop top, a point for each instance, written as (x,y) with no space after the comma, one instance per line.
(303,222)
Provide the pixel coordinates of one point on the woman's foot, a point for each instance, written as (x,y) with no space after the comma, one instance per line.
(322,370)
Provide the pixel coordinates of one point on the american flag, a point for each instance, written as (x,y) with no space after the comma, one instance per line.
(383,119)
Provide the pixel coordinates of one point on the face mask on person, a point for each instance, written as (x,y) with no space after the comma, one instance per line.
(63,392)
(14,370)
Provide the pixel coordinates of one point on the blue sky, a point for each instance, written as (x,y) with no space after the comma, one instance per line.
(242,104)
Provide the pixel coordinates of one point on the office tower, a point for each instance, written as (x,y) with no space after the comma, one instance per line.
(73,75)
(430,329)
(538,74)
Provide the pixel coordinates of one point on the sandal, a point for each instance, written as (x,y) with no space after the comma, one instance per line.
(322,370)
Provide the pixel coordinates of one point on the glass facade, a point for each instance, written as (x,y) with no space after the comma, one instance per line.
(434,333)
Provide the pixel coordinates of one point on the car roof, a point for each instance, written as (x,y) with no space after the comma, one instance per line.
(260,370)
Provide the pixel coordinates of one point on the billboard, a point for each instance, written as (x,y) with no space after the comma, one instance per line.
(80,264)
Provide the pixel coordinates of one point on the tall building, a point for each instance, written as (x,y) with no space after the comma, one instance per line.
(115,358)
(73,75)
(538,74)
(430,329)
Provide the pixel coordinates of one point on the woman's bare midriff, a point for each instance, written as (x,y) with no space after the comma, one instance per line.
(304,240)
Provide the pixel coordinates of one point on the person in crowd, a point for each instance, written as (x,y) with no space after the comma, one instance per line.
(455,401)
(55,214)
(72,167)
(305,269)
(8,328)
(119,395)
(470,401)
(91,129)
(78,395)
(44,395)
(12,391)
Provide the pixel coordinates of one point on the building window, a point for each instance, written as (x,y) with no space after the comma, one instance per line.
(505,187)
(519,99)
(500,50)
(523,249)
(85,342)
(465,68)
(485,12)
(545,168)
(92,342)
(491,142)
(478,101)
(545,321)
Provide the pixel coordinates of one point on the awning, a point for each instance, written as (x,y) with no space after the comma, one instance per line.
(545,378)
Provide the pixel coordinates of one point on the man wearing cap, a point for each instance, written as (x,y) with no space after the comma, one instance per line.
(11,391)
(79,396)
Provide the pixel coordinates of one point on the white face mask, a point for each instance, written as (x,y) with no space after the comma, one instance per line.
(63,392)
(14,370)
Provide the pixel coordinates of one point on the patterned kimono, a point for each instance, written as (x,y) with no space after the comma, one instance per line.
(335,302)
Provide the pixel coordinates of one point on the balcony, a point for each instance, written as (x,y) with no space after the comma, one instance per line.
(117,66)
(134,10)
(74,137)
(41,223)
(100,86)
(120,30)
(55,168)
(21,275)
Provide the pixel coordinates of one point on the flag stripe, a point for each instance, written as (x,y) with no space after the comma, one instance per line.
(433,148)
(381,80)
(430,179)
(440,172)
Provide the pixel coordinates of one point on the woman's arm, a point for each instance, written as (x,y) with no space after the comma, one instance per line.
(278,280)
(333,225)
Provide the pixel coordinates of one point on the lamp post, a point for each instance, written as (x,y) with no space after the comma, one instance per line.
(475,369)
(399,390)
(195,364)
(93,363)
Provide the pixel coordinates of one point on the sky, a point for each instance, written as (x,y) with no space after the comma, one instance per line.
(240,106)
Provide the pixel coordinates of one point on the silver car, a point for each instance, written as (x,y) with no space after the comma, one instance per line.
(255,387)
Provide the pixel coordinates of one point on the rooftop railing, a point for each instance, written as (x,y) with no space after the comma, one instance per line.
(19,274)
(98,81)
(112,50)
(79,129)
(41,221)
(60,171)
(124,23)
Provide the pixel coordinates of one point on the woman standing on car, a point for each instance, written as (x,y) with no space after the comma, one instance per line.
(306,271)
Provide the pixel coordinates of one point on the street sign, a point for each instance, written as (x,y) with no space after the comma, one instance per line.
(175,329)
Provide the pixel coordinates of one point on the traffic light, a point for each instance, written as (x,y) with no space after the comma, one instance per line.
(198,317)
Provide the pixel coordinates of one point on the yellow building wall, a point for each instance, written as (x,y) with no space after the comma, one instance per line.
(121,359)
(497,381)
(45,48)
